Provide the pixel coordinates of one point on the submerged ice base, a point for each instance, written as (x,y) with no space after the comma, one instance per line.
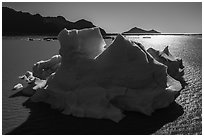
(88,80)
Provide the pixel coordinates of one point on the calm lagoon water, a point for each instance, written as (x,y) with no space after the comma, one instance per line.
(18,56)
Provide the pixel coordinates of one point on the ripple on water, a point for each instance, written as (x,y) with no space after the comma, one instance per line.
(190,50)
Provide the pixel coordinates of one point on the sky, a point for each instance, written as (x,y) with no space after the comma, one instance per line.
(117,17)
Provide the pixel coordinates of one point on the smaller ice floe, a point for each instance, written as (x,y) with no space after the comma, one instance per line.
(30,39)
(33,39)
(50,38)
(17,86)
(33,82)
(43,69)
(28,77)
(37,79)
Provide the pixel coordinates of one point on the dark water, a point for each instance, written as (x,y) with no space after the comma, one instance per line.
(18,56)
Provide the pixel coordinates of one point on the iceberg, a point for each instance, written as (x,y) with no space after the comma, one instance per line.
(89,79)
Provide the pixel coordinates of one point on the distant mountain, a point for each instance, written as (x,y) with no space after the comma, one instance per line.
(23,23)
(139,30)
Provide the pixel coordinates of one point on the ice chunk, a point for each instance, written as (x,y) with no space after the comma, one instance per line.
(28,77)
(17,86)
(43,69)
(101,83)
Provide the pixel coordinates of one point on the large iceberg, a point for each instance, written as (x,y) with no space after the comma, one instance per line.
(88,79)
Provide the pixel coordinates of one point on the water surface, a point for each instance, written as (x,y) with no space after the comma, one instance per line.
(19,54)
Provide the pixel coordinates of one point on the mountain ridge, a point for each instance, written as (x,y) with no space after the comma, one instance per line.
(23,23)
(139,30)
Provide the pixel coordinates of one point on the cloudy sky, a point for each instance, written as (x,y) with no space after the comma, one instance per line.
(119,17)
